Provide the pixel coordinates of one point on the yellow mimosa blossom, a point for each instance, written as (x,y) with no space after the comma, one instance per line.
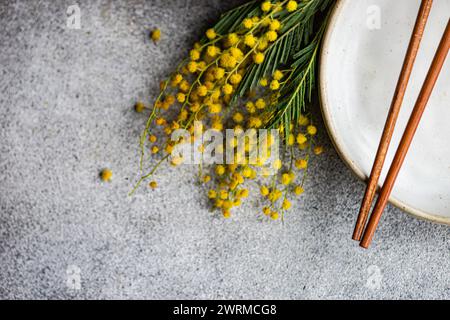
(263,44)
(285,179)
(286,204)
(275,25)
(247,23)
(236,53)
(220,170)
(212,51)
(215,108)
(247,172)
(181,97)
(290,140)
(271,35)
(227,89)
(250,106)
(139,107)
(244,193)
(238,117)
(211,34)
(212,194)
(228,61)
(260,104)
(226,214)
(258,58)
(194,54)
(298,190)
(218,203)
(192,66)
(301,164)
(250,40)
(277,164)
(301,138)
(223,194)
(106,175)
(232,39)
(155,149)
(219,73)
(152,138)
(264,191)
(274,85)
(274,215)
(202,91)
(312,130)
(156,35)
(184,86)
(266,6)
(278,75)
(291,6)
(235,78)
(318,150)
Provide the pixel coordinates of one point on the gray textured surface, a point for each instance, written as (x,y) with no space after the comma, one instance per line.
(65,114)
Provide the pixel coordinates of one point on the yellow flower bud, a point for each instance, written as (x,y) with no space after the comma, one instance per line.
(258,58)
(211,34)
(291,6)
(301,138)
(156,35)
(266,6)
(106,175)
(312,130)
(153,185)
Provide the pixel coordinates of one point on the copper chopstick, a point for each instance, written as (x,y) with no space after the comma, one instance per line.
(408,135)
(389,127)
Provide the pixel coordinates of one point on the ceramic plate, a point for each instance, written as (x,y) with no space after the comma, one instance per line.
(363,51)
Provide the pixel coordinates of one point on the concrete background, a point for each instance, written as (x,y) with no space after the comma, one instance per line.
(65,114)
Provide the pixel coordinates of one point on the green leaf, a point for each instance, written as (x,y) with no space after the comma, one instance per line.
(298,27)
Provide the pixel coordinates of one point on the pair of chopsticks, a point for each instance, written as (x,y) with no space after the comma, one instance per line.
(366,236)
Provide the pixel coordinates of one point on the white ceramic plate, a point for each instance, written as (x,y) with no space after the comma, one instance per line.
(360,64)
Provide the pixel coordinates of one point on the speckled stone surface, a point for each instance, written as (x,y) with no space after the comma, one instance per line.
(65,114)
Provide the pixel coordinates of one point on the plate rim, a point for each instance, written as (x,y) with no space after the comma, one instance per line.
(332,132)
